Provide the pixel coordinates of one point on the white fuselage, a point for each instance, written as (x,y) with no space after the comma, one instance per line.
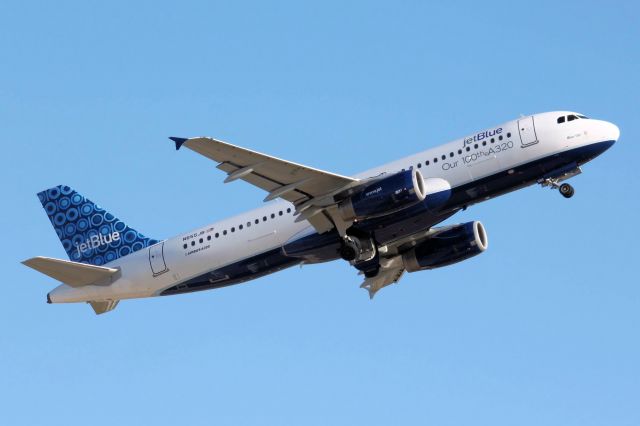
(501,148)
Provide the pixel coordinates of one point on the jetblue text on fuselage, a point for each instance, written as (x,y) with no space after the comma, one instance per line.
(481,136)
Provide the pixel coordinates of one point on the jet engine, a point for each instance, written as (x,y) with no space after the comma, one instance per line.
(394,193)
(450,246)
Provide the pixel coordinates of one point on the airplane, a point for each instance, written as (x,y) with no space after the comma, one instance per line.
(382,221)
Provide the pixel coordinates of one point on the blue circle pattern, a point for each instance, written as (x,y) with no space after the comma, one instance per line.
(76,218)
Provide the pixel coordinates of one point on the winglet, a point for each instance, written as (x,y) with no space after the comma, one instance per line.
(178,141)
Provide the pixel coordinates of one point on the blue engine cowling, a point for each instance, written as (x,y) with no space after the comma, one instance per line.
(450,246)
(385,196)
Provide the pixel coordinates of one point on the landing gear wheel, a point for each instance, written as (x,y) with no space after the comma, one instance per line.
(348,253)
(566,190)
(356,249)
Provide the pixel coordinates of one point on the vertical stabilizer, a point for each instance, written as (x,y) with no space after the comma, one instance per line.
(88,233)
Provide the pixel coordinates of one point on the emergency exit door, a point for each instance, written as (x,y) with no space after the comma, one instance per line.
(156,259)
(527,131)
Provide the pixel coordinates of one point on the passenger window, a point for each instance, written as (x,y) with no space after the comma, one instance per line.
(435,160)
(184,246)
(561,119)
(208,237)
(426,163)
(475,146)
(217,234)
(224,232)
(289,210)
(239,226)
(257,221)
(451,154)
(500,137)
(459,151)
(201,240)
(468,149)
(419,165)
(273,216)
(508,135)
(264,218)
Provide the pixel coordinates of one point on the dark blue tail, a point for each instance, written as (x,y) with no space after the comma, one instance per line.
(88,233)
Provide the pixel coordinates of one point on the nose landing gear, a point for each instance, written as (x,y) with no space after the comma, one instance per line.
(565,189)
(553,179)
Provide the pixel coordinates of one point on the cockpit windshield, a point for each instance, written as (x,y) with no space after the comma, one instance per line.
(571,117)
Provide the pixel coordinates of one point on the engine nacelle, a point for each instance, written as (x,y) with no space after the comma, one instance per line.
(451,246)
(394,193)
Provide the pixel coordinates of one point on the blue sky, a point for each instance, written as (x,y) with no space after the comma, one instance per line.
(540,329)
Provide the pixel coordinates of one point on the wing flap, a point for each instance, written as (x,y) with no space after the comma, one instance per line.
(391,270)
(73,274)
(263,182)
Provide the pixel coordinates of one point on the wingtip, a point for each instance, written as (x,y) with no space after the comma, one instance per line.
(178,141)
(29,262)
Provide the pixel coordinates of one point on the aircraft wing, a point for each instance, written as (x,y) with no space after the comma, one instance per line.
(304,186)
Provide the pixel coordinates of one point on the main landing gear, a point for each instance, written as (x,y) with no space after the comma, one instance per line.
(361,251)
(565,189)
(357,249)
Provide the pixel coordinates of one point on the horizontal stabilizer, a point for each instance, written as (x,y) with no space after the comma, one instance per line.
(102,307)
(73,274)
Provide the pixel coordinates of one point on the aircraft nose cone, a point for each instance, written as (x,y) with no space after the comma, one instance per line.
(613,132)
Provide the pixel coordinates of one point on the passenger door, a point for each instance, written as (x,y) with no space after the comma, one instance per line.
(156,259)
(527,131)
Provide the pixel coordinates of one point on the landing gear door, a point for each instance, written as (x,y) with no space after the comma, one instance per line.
(527,131)
(156,259)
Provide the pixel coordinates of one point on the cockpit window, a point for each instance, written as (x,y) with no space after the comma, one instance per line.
(571,117)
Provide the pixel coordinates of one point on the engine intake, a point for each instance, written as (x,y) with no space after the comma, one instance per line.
(447,247)
(385,196)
